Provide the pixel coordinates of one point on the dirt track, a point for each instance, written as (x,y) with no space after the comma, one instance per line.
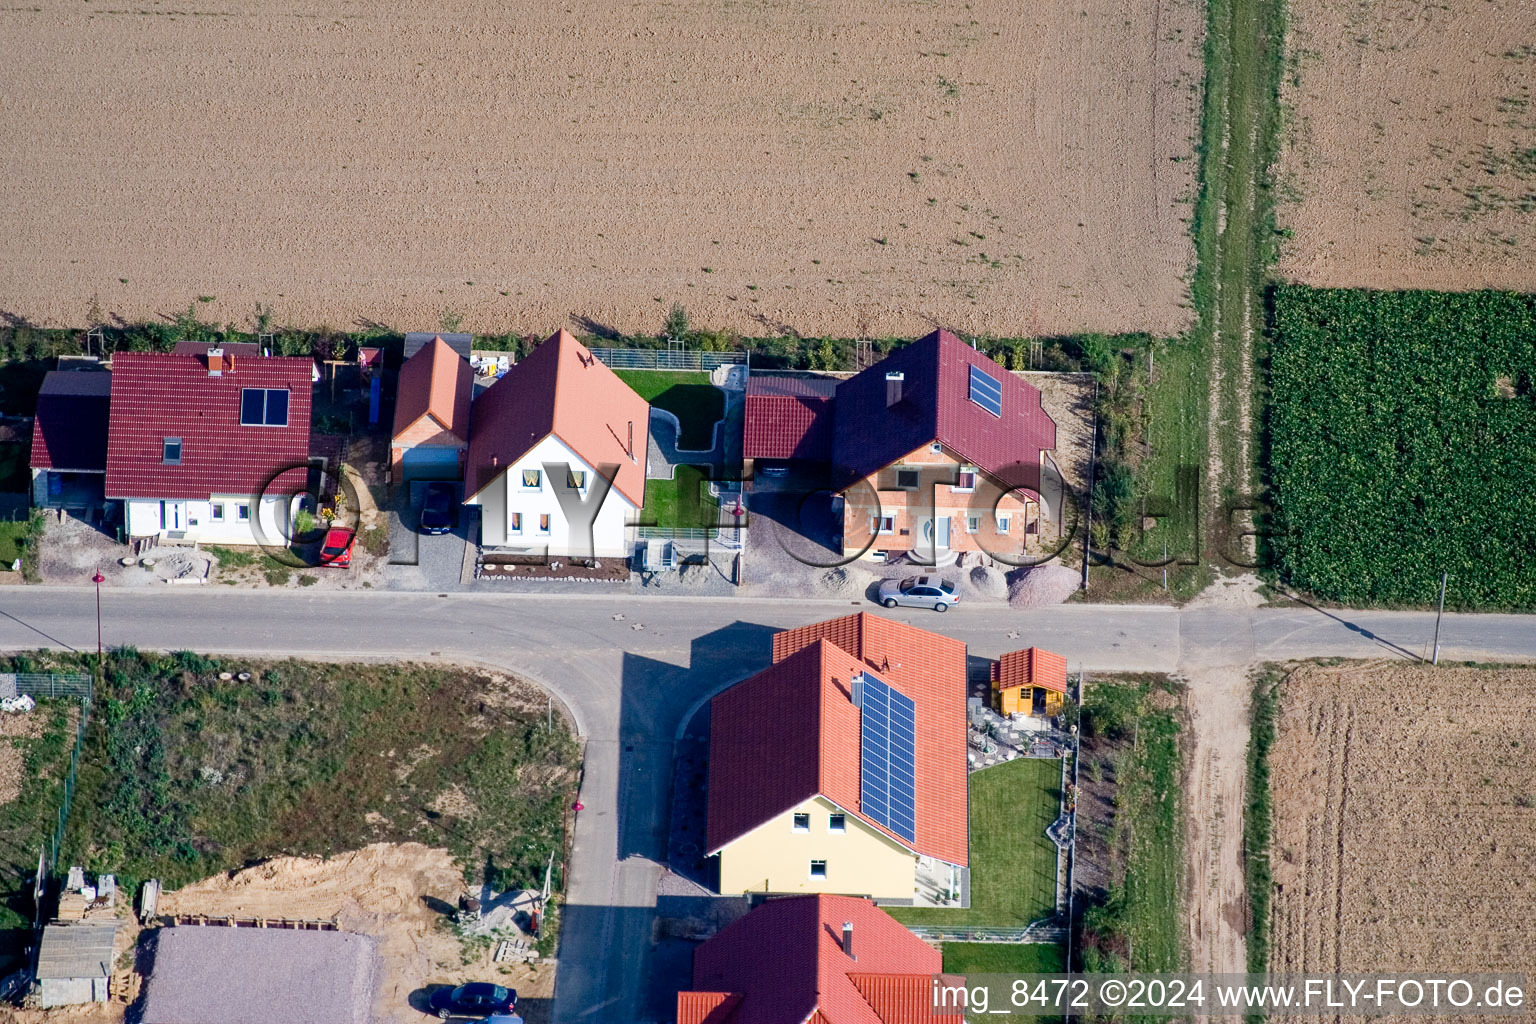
(1410,151)
(1405,820)
(871,166)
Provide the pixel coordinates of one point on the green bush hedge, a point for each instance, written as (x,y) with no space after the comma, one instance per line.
(1403,444)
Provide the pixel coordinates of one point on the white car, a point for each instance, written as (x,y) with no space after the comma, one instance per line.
(919,592)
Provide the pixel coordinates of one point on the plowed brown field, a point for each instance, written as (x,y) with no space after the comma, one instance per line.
(862,166)
(1411,161)
(1405,820)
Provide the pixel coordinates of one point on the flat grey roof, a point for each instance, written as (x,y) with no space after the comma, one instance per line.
(88,383)
(76,950)
(203,974)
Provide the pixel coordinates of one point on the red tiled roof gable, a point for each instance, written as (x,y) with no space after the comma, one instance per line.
(791,731)
(158,396)
(784,963)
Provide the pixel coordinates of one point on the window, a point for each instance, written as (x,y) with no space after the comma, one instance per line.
(838,823)
(986,391)
(576,479)
(818,869)
(243,513)
(1002,524)
(965,480)
(544,523)
(263,407)
(885,524)
(170,452)
(802,823)
(516,523)
(906,479)
(533,479)
(218,512)
(972,524)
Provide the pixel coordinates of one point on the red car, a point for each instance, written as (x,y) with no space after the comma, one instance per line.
(336,552)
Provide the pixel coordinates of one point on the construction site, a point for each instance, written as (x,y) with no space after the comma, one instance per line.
(366,936)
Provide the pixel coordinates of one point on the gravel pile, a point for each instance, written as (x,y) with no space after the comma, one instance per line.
(1041,586)
(988,584)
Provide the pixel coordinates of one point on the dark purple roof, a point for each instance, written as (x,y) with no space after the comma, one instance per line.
(70,432)
(935,405)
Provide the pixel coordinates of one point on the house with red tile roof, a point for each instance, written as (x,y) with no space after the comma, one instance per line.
(841,767)
(817,959)
(431,433)
(935,449)
(209,447)
(69,439)
(557,455)
(1029,682)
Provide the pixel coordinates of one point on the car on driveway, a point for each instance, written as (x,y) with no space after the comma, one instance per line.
(439,509)
(919,592)
(477,999)
(336,552)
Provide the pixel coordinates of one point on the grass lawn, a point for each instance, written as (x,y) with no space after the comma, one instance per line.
(1003,958)
(1013,864)
(682,502)
(11,536)
(185,775)
(689,396)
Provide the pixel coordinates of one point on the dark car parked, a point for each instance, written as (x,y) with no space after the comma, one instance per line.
(477,999)
(439,509)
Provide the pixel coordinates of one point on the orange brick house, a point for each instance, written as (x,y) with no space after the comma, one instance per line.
(938,449)
(1029,682)
(431,433)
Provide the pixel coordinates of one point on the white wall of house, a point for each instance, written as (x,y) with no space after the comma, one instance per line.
(221,519)
(512,514)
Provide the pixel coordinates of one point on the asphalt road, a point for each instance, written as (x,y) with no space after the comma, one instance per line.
(631,670)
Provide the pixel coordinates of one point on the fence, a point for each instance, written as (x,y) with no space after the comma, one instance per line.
(1045,930)
(666,359)
(47,684)
(51,848)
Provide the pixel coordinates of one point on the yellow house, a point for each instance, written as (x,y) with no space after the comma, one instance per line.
(841,768)
(1029,682)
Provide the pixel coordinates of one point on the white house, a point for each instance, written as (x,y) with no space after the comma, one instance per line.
(557,455)
(208,447)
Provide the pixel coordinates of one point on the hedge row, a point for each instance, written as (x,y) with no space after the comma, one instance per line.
(1403,444)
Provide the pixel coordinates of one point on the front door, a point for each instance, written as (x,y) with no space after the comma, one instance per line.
(173,516)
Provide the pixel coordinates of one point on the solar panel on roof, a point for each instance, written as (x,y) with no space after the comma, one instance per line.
(887,755)
(986,391)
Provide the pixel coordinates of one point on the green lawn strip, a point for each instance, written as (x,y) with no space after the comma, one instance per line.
(697,404)
(1013,864)
(1258,819)
(1139,925)
(185,775)
(684,502)
(13,536)
(1003,958)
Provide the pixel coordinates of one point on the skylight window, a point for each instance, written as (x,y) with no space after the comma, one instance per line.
(170,451)
(986,392)
(263,407)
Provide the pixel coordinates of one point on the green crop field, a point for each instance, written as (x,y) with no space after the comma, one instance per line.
(1401,445)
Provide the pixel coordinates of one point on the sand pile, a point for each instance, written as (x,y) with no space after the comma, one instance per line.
(1041,586)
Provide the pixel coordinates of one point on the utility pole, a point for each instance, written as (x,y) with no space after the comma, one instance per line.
(99,579)
(1434,658)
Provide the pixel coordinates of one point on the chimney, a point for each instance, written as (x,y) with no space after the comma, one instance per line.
(893,381)
(848,940)
(216,362)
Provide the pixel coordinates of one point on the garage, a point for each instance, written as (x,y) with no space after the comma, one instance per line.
(430,462)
